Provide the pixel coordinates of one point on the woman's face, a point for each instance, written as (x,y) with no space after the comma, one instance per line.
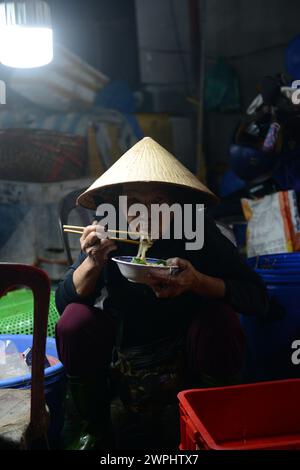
(148,195)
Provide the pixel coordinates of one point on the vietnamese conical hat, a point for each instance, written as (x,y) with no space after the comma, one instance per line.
(145,162)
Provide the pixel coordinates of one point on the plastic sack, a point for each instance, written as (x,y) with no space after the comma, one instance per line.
(11,362)
(273,224)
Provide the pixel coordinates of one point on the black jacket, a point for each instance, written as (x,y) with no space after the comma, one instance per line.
(147,318)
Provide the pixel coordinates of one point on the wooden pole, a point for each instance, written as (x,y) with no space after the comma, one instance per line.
(197,28)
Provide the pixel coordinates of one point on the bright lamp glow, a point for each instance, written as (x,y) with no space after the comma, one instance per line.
(25,47)
(25,33)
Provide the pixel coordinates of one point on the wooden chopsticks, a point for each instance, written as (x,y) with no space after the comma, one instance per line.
(79,230)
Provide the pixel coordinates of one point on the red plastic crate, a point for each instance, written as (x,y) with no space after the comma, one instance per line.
(259,416)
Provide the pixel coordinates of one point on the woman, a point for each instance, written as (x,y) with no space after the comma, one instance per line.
(193,311)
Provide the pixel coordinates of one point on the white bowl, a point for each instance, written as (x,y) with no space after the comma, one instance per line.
(135,272)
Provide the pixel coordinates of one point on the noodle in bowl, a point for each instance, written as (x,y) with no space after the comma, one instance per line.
(136,272)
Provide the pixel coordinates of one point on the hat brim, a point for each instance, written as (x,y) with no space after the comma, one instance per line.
(92,198)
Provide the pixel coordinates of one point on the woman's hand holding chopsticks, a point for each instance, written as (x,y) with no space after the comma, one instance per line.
(97,249)
(95,244)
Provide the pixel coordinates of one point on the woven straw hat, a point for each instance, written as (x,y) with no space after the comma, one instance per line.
(145,162)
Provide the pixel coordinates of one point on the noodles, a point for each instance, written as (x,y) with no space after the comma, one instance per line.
(158,262)
(145,244)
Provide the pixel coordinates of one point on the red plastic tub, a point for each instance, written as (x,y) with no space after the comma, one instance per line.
(261,416)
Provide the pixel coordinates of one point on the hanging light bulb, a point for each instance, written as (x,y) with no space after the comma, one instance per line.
(26,38)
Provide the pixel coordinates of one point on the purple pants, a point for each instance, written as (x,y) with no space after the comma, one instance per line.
(215,342)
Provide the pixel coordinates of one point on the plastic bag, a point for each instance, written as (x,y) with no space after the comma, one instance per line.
(221,89)
(148,376)
(273,224)
(11,362)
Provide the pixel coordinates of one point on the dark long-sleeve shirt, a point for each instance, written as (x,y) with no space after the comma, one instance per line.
(147,318)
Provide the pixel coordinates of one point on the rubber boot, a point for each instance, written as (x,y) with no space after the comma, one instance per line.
(91,399)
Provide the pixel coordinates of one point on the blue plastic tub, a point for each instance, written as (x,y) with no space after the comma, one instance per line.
(54,383)
(276,261)
(269,342)
(280,278)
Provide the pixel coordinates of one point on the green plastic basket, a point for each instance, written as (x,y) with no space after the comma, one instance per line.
(16,313)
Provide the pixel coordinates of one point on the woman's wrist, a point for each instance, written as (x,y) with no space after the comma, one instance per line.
(209,286)
(92,264)
(86,275)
